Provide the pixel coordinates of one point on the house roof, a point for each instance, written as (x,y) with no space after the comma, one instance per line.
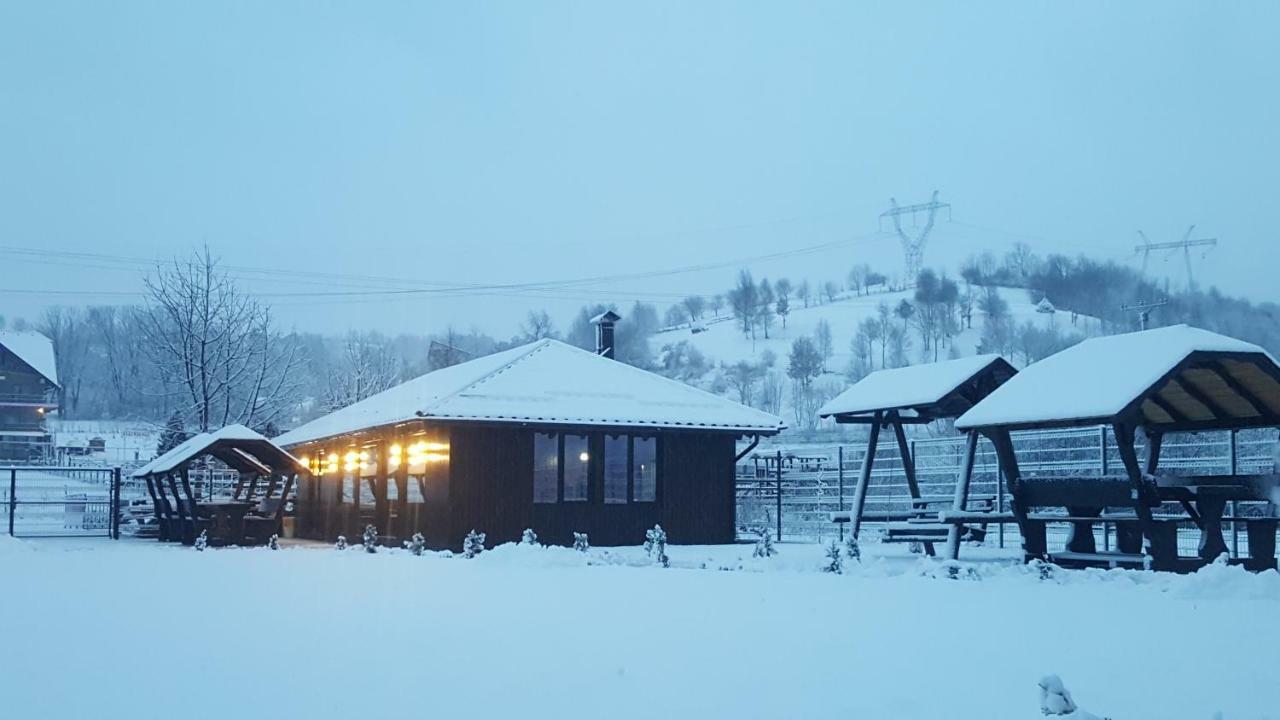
(941,389)
(236,445)
(1171,378)
(33,349)
(546,382)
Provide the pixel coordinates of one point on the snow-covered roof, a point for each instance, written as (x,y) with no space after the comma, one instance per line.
(909,387)
(33,349)
(235,444)
(546,382)
(1100,377)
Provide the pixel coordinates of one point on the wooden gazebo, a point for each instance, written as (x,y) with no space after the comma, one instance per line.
(1155,382)
(253,512)
(917,395)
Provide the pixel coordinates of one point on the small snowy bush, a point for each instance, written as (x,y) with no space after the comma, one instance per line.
(835,561)
(341,544)
(655,545)
(580,542)
(916,547)
(202,541)
(472,544)
(851,548)
(273,542)
(529,537)
(370,539)
(764,544)
(416,544)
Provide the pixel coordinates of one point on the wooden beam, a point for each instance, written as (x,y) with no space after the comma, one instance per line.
(904,451)
(864,476)
(381,478)
(1177,415)
(1189,387)
(1033,536)
(1126,443)
(1259,408)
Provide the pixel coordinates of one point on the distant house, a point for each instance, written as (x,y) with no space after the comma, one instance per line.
(544,436)
(28,391)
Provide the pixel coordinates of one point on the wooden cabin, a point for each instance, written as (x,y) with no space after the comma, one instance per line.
(544,436)
(28,392)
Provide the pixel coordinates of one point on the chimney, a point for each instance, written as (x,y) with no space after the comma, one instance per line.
(604,323)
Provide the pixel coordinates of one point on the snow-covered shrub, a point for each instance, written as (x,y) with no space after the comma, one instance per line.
(529,537)
(472,544)
(835,561)
(273,542)
(416,544)
(655,545)
(764,544)
(370,539)
(202,540)
(341,544)
(851,548)
(916,547)
(580,542)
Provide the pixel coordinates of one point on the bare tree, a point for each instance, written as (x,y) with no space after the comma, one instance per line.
(366,366)
(829,290)
(216,348)
(537,325)
(717,302)
(67,329)
(805,292)
(823,341)
(695,305)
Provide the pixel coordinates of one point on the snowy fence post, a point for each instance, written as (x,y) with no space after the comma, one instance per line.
(779,499)
(115,504)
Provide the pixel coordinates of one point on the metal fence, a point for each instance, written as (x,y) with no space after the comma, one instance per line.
(48,501)
(794,491)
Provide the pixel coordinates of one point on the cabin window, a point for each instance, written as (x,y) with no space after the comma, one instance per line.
(644,469)
(615,469)
(577,465)
(546,468)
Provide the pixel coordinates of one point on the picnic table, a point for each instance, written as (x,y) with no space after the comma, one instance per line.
(226,516)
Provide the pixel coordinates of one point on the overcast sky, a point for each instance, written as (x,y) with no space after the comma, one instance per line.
(444,145)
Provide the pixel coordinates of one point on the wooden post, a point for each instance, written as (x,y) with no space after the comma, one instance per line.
(115,503)
(864,475)
(840,474)
(1162,554)
(13,497)
(1235,468)
(402,493)
(1034,543)
(1102,449)
(961,499)
(779,498)
(381,506)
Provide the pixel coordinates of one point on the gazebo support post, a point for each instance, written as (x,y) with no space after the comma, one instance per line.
(864,474)
(908,466)
(961,499)
(1161,536)
(186,536)
(155,502)
(381,507)
(1034,543)
(403,526)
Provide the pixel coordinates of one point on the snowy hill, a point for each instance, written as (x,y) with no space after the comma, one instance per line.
(722,341)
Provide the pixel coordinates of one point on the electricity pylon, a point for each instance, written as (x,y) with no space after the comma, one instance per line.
(1147,247)
(913,248)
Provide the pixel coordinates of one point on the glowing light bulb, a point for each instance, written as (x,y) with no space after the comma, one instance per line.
(584,457)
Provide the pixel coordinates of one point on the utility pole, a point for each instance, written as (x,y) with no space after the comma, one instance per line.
(913,248)
(1185,244)
(1144,310)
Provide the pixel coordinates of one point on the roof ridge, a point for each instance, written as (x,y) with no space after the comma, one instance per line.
(533,347)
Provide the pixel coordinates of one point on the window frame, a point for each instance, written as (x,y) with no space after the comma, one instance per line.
(631,470)
(626,439)
(557,439)
(564,467)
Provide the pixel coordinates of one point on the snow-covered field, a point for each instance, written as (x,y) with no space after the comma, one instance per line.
(138,629)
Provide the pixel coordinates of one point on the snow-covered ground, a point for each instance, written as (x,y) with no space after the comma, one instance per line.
(140,629)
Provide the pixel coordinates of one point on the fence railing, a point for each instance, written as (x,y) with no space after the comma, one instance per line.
(794,491)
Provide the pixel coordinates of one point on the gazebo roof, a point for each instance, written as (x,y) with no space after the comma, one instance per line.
(928,392)
(1168,379)
(236,445)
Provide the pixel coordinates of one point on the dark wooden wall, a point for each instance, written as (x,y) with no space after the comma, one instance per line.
(491,491)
